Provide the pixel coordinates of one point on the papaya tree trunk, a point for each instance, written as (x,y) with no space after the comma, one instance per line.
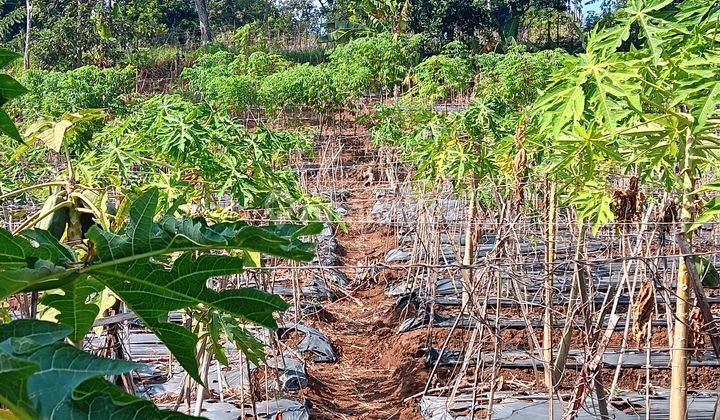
(579,280)
(678,381)
(679,361)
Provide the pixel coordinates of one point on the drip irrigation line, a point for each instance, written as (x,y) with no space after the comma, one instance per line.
(496,264)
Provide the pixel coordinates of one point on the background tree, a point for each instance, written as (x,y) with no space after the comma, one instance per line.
(204,17)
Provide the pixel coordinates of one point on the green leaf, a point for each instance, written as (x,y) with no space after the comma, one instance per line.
(710,211)
(98,398)
(61,368)
(7,57)
(143,236)
(639,13)
(75,309)
(38,275)
(18,338)
(151,291)
(13,250)
(10,88)
(57,251)
(707,272)
(7,127)
(707,107)
(24,267)
(14,373)
(25,335)
(42,377)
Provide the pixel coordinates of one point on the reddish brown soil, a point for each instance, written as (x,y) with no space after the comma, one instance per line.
(380,374)
(376,369)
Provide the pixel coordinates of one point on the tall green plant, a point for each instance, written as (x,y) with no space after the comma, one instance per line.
(652,107)
(156,263)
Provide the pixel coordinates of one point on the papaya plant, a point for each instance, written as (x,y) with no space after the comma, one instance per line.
(155,263)
(154,266)
(654,106)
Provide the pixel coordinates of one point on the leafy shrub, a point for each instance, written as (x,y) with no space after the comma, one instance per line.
(386,59)
(53,93)
(236,91)
(456,49)
(219,78)
(219,155)
(517,76)
(301,86)
(249,38)
(439,75)
(314,56)
(45,377)
(260,64)
(209,48)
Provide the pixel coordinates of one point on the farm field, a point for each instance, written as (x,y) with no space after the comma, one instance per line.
(364,221)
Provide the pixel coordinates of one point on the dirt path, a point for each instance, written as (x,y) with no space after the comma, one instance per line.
(376,369)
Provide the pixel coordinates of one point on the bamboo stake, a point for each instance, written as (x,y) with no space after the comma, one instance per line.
(547,326)
(468,254)
(678,381)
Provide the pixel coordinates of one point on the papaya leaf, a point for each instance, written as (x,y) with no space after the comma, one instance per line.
(10,88)
(17,338)
(38,275)
(25,267)
(151,291)
(61,368)
(42,377)
(14,373)
(74,309)
(7,126)
(56,251)
(25,335)
(98,398)
(22,342)
(13,250)
(7,57)
(143,236)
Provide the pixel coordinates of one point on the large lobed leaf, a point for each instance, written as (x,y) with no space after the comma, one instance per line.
(34,261)
(42,377)
(151,291)
(155,267)
(73,306)
(145,236)
(128,264)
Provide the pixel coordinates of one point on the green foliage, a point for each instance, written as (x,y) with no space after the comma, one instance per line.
(53,93)
(249,38)
(260,64)
(42,377)
(367,18)
(440,75)
(190,150)
(69,34)
(314,56)
(376,63)
(9,89)
(232,81)
(516,77)
(136,264)
(652,107)
(300,86)
(10,19)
